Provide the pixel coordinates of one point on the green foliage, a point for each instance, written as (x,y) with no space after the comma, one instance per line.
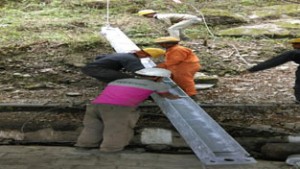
(62,22)
(277,10)
(77,22)
(253,2)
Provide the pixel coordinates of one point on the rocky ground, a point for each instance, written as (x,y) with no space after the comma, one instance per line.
(55,79)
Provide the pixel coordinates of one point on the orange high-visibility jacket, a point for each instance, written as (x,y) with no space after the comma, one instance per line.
(183,64)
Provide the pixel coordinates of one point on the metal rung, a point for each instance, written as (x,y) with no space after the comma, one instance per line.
(209,141)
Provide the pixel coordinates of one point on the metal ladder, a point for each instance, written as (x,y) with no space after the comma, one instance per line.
(208,140)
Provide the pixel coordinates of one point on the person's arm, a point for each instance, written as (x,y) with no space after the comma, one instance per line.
(273,62)
(164,18)
(99,57)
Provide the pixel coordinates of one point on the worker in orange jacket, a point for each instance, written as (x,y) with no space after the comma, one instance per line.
(182,62)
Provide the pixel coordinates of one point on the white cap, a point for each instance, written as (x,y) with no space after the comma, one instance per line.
(160,72)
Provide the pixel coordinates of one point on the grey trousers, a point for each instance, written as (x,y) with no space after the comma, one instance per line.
(91,134)
(108,126)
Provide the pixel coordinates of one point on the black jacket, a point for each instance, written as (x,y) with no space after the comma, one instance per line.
(118,61)
(292,55)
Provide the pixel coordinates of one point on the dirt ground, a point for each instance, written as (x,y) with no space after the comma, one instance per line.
(40,77)
(25,80)
(269,86)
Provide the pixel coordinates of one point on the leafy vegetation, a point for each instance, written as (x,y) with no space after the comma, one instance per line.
(76,24)
(56,22)
(69,21)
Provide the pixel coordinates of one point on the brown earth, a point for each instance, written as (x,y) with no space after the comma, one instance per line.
(49,75)
(43,74)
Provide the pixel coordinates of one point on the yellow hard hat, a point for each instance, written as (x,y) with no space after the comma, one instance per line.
(154,52)
(146,12)
(166,39)
(297,40)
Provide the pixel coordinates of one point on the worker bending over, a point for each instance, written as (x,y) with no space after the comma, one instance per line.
(110,67)
(177,22)
(110,119)
(182,62)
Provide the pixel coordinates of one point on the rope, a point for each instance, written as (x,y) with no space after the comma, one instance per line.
(107,13)
(204,21)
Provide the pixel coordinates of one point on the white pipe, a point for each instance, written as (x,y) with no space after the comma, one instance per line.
(107,13)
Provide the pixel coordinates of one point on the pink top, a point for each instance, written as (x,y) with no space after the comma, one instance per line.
(129,92)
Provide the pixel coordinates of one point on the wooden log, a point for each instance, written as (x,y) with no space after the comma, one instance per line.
(279,151)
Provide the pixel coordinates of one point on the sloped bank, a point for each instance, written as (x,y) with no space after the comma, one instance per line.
(255,127)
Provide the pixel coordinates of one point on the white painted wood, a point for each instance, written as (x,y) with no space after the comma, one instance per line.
(156,136)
